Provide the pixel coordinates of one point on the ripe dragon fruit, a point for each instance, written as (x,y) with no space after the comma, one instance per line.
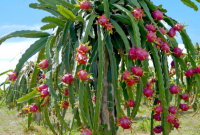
(148,92)
(185,96)
(83,48)
(86,131)
(158,109)
(64,104)
(172,64)
(137,13)
(41,87)
(158,43)
(157,116)
(184,107)
(151,36)
(157,15)
(157,129)
(132,53)
(130,103)
(176,125)
(66,92)
(150,27)
(190,72)
(125,122)
(67,78)
(158,102)
(84,5)
(177,52)
(178,27)
(165,47)
(163,31)
(83,75)
(137,70)
(44,64)
(102,20)
(33,108)
(174,89)
(141,54)
(93,98)
(172,32)
(171,118)
(197,70)
(173,110)
(44,93)
(127,75)
(152,80)
(12,76)
(26,108)
(81,59)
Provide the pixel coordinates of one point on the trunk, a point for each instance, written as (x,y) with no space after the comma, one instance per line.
(107,113)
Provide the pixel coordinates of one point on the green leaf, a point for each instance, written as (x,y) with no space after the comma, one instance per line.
(6,72)
(48,120)
(66,13)
(65,4)
(28,96)
(48,26)
(33,49)
(52,3)
(190,4)
(80,18)
(54,20)
(24,33)
(106,8)
(198,1)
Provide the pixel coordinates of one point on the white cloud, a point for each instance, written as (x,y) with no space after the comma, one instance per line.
(16,26)
(10,53)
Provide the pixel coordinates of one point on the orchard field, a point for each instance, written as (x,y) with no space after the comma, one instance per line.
(110,67)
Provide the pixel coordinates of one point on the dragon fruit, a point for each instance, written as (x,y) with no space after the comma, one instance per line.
(151,36)
(137,70)
(67,78)
(157,15)
(84,5)
(132,53)
(44,64)
(150,27)
(102,20)
(125,122)
(177,52)
(157,129)
(174,89)
(172,32)
(148,92)
(137,13)
(12,76)
(141,54)
(185,96)
(190,72)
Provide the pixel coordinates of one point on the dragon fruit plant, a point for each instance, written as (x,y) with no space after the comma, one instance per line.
(97,59)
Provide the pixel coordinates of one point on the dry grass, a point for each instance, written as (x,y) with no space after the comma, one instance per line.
(12,124)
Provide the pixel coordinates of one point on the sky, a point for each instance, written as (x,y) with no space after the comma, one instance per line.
(16,15)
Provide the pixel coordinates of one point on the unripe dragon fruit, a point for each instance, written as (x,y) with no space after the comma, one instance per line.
(157,116)
(189,73)
(157,15)
(83,75)
(125,122)
(41,87)
(197,70)
(137,70)
(184,107)
(81,59)
(67,78)
(83,48)
(158,43)
(171,118)
(86,131)
(33,108)
(177,52)
(150,27)
(84,5)
(137,13)
(165,47)
(132,53)
(158,109)
(178,26)
(148,92)
(12,76)
(66,92)
(102,20)
(157,129)
(163,31)
(130,103)
(174,89)
(172,32)
(44,64)
(151,36)
(44,93)
(173,110)
(141,54)
(185,96)
(64,104)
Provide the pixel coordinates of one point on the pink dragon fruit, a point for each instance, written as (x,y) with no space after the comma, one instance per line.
(81,59)
(157,116)
(44,93)
(137,70)
(44,64)
(83,48)
(150,27)
(174,89)
(189,73)
(132,53)
(165,47)
(185,96)
(67,78)
(33,108)
(163,31)
(148,92)
(12,76)
(102,20)
(171,118)
(86,131)
(83,75)
(172,32)
(184,107)
(157,15)
(173,110)
(137,13)
(130,103)
(125,122)
(151,36)
(197,70)
(141,54)
(157,129)
(84,5)
(178,26)
(177,52)
(64,104)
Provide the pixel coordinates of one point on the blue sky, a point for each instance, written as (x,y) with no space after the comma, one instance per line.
(16,15)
